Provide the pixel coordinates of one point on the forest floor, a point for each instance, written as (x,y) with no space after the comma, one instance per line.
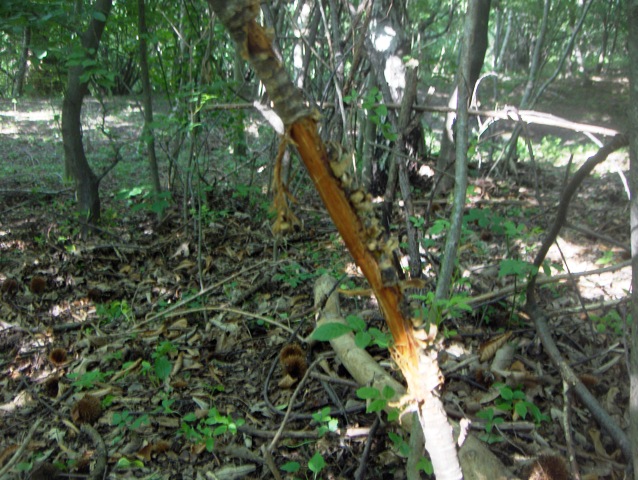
(166,338)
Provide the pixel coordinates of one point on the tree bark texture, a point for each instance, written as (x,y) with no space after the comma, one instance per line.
(147,97)
(633,184)
(76,164)
(24,62)
(478,47)
(472,56)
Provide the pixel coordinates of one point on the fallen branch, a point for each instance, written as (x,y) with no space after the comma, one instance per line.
(538,316)
(18,453)
(606,422)
(532,117)
(477,461)
(101,453)
(351,212)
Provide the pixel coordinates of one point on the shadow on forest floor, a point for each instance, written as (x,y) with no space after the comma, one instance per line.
(80,319)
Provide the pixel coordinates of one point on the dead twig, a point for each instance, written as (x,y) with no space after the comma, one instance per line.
(360,472)
(539,318)
(569,440)
(99,468)
(583,172)
(18,453)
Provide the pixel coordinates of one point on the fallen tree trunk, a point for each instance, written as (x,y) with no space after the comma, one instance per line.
(477,461)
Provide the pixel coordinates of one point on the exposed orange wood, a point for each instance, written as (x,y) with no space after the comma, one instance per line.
(239,17)
(312,151)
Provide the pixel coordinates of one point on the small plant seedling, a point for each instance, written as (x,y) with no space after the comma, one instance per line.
(161,367)
(294,274)
(205,430)
(611,322)
(363,337)
(517,268)
(400,444)
(515,401)
(316,464)
(125,463)
(491,420)
(126,420)
(112,311)
(378,400)
(87,380)
(325,421)
(291,467)
(606,259)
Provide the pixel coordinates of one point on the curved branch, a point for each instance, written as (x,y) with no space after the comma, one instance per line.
(617,142)
(568,375)
(538,316)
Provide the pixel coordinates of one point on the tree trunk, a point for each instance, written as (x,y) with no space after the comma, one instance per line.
(633,181)
(24,62)
(77,167)
(241,147)
(147,98)
(532,91)
(477,57)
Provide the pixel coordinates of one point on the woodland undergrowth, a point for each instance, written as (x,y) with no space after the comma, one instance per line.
(157,351)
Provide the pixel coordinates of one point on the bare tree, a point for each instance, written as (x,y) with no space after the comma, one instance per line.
(147,97)
(633,181)
(477,57)
(21,75)
(76,164)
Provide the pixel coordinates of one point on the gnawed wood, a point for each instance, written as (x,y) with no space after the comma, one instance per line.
(477,461)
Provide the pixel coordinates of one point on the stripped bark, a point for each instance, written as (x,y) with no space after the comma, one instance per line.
(419,367)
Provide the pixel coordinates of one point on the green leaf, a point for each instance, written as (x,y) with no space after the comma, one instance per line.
(316,463)
(141,420)
(438,227)
(163,367)
(24,466)
(376,405)
(490,438)
(425,465)
(333,423)
(511,266)
(330,331)
(381,339)
(487,414)
(190,417)
(388,392)
(518,395)
(362,339)
(521,409)
(126,463)
(367,393)
(99,16)
(210,444)
(607,258)
(506,393)
(395,437)
(291,467)
(389,135)
(393,415)
(356,323)
(399,443)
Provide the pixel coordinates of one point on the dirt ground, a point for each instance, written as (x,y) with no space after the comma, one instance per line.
(154,348)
